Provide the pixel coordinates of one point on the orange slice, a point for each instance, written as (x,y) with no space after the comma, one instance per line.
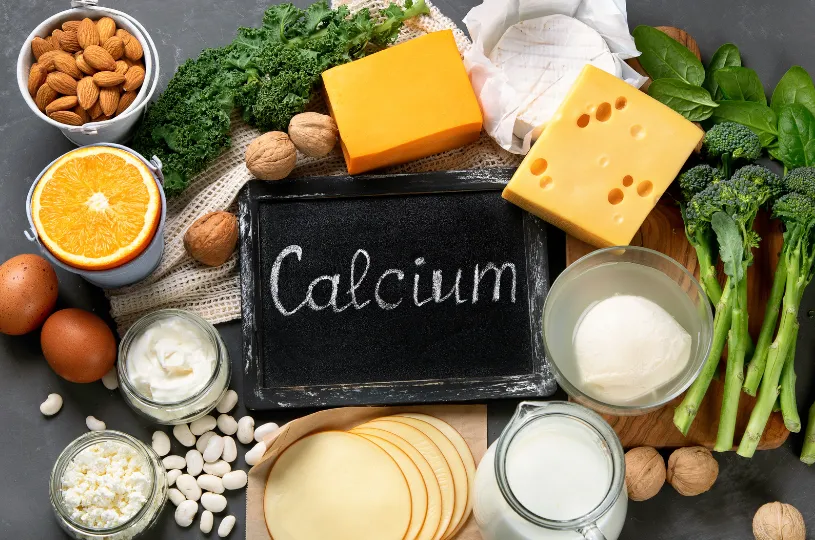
(96,208)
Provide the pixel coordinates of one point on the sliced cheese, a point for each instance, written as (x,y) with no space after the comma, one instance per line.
(603,161)
(336,485)
(433,518)
(463,450)
(437,461)
(418,490)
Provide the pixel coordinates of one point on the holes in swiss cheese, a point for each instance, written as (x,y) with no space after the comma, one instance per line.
(603,112)
(615,196)
(628,180)
(538,166)
(638,132)
(645,188)
(620,103)
(546,182)
(583,121)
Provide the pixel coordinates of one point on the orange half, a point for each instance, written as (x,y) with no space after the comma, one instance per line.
(96,208)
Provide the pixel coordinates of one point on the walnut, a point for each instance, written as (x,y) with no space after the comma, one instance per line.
(271,156)
(313,134)
(778,521)
(211,238)
(644,473)
(692,470)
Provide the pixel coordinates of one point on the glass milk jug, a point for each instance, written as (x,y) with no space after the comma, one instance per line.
(557,472)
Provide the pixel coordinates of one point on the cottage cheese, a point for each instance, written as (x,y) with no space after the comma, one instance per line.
(105,485)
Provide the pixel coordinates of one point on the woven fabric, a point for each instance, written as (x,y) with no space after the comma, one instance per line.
(214,293)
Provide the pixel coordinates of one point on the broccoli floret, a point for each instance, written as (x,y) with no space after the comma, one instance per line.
(761,177)
(731,142)
(801,180)
(698,178)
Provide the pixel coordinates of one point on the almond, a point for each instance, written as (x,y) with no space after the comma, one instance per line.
(45,95)
(106,79)
(133,49)
(62,83)
(47,59)
(125,101)
(66,117)
(133,78)
(82,114)
(106,28)
(87,92)
(39,46)
(87,34)
(64,103)
(95,111)
(122,66)
(54,42)
(83,65)
(36,77)
(57,34)
(109,100)
(66,64)
(99,59)
(122,33)
(115,46)
(69,42)
(70,26)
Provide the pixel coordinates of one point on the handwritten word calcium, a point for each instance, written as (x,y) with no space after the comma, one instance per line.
(360,264)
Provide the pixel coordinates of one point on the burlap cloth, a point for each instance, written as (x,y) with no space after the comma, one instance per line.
(214,293)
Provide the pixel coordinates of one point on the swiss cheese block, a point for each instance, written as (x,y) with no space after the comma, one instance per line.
(403,103)
(603,161)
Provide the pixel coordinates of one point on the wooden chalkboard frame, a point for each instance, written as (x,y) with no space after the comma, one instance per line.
(539,382)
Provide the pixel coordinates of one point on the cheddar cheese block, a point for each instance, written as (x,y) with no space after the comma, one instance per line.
(403,103)
(603,161)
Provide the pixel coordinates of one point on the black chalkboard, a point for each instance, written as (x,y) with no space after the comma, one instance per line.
(390,289)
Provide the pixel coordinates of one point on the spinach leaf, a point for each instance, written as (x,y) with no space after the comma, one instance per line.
(740,84)
(665,58)
(794,87)
(731,245)
(726,56)
(692,102)
(796,136)
(759,118)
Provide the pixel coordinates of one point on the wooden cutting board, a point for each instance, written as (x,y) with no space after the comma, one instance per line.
(663,231)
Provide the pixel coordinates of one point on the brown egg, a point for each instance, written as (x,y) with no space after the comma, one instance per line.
(78,345)
(28,293)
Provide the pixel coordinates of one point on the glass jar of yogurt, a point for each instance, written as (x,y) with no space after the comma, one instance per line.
(557,472)
(107,485)
(173,366)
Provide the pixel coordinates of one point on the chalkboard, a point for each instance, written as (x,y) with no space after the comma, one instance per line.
(386,289)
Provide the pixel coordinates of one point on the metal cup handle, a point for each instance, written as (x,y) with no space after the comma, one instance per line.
(591,532)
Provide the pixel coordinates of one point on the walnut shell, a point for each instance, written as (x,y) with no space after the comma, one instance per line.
(211,238)
(271,156)
(778,521)
(692,470)
(313,134)
(644,473)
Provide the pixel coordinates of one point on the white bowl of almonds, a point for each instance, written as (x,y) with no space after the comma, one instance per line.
(90,72)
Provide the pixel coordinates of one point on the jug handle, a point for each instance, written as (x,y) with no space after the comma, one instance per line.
(591,532)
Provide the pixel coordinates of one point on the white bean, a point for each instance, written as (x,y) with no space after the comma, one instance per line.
(195,462)
(219,468)
(185,513)
(176,496)
(212,483)
(235,480)
(230,452)
(226,526)
(94,424)
(207,520)
(262,431)
(183,435)
(227,424)
(215,448)
(51,405)
(161,443)
(172,476)
(213,502)
(189,487)
(174,462)
(111,379)
(227,402)
(201,443)
(203,424)
(254,455)
(246,429)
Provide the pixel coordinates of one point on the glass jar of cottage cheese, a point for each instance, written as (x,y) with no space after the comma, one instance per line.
(107,485)
(173,366)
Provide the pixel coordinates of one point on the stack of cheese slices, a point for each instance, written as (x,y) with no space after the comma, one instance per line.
(402,477)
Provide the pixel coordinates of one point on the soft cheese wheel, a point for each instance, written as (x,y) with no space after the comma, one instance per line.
(454,460)
(463,450)
(418,491)
(336,485)
(433,518)
(437,461)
